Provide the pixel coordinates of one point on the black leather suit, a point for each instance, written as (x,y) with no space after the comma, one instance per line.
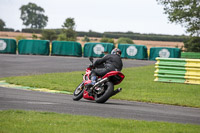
(111,62)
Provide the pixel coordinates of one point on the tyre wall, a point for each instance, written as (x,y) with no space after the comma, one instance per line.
(177,70)
(66,48)
(97,49)
(133,51)
(8,46)
(164,52)
(33,47)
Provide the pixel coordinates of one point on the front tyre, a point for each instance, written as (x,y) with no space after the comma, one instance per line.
(108,91)
(78,93)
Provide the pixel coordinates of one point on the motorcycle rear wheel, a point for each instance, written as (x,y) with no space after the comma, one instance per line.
(78,92)
(102,98)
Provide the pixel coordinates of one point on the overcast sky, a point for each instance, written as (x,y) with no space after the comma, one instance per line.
(142,16)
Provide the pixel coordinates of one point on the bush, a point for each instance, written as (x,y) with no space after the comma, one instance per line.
(49,35)
(70,34)
(124,40)
(193,44)
(34,36)
(107,40)
(61,37)
(86,39)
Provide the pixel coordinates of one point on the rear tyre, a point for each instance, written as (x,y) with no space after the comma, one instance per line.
(78,93)
(102,98)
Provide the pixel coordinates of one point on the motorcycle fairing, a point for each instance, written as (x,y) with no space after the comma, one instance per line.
(87,96)
(115,76)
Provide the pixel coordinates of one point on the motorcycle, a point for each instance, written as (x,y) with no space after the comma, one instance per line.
(102,90)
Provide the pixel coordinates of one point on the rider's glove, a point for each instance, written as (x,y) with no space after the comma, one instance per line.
(91,66)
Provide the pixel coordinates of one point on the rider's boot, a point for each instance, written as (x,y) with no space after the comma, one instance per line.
(93,79)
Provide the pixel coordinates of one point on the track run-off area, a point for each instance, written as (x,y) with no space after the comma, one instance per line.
(18,65)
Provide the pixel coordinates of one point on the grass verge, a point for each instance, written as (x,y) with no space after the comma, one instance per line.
(41,122)
(138,85)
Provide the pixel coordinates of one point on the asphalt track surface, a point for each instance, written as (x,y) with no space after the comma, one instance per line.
(15,65)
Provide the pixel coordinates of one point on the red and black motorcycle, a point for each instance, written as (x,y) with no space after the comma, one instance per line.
(102,90)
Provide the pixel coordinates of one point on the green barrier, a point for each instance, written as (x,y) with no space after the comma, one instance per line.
(192,55)
(8,46)
(177,70)
(97,49)
(133,51)
(66,48)
(164,52)
(34,47)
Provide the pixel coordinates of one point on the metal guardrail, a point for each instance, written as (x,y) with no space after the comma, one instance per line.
(177,70)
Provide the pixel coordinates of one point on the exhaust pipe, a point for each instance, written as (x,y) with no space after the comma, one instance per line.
(116,91)
(100,82)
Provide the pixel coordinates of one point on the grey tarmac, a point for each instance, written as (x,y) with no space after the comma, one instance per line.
(16,65)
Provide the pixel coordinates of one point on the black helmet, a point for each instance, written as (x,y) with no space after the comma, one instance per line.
(116,51)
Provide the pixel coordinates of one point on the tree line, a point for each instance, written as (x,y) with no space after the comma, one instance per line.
(117,35)
(135,36)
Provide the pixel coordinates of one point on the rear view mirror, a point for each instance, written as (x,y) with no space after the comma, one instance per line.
(91,59)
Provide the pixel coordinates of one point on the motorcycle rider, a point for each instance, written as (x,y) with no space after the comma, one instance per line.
(110,62)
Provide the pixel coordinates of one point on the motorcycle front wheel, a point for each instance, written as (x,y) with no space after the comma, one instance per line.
(108,91)
(78,92)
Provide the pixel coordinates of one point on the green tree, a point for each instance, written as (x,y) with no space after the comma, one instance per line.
(69,24)
(69,30)
(49,35)
(193,44)
(124,40)
(2,24)
(33,16)
(184,12)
